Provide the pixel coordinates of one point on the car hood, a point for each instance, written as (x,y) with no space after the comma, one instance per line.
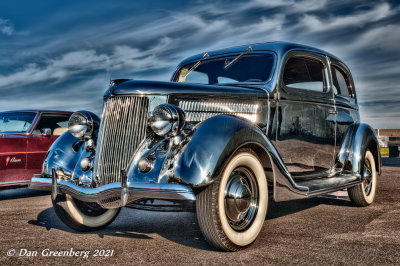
(143,87)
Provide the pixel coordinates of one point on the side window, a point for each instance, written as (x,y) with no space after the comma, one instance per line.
(58,123)
(304,73)
(341,82)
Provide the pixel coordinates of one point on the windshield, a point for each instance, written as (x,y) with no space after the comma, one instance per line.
(228,69)
(16,122)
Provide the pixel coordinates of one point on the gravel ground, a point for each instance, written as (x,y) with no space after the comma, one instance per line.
(315,231)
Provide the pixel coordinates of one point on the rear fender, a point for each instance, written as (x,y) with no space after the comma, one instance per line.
(364,138)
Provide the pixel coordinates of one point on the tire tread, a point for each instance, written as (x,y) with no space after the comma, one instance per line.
(356,196)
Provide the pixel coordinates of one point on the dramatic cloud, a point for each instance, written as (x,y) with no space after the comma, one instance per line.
(358,19)
(295,6)
(77,62)
(70,53)
(5,27)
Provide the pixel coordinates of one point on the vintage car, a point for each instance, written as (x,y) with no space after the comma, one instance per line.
(231,128)
(25,137)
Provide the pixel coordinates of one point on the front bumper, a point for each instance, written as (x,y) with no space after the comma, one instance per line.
(121,192)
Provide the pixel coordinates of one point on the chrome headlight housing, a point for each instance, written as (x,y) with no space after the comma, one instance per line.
(83,123)
(167,120)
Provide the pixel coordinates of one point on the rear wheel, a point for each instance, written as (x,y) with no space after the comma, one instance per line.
(83,216)
(231,211)
(363,194)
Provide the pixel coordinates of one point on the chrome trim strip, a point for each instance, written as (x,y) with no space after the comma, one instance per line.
(15,182)
(136,190)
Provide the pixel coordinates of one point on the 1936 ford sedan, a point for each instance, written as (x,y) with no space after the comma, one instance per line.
(231,128)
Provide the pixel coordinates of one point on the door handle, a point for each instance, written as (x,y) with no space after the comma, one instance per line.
(333,112)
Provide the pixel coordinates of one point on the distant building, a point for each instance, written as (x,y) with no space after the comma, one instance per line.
(389,141)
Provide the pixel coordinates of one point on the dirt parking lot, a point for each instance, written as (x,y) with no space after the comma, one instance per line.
(317,231)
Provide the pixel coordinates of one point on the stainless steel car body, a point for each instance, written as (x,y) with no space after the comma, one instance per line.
(317,132)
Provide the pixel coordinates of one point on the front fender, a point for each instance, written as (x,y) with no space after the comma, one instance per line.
(214,141)
(64,154)
(364,138)
(211,144)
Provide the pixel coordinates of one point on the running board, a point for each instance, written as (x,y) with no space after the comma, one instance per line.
(330,184)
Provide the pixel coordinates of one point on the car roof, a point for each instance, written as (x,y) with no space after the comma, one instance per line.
(38,111)
(280,48)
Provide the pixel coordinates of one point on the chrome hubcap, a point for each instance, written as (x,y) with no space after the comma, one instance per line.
(241,198)
(237,199)
(367,178)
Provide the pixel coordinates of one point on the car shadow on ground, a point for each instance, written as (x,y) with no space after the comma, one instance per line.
(178,227)
(280,209)
(21,192)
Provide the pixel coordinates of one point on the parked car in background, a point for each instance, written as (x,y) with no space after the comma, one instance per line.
(25,137)
(232,127)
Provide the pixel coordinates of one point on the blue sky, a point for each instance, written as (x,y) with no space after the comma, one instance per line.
(62,54)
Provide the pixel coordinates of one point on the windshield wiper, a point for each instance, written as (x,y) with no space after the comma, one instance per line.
(228,65)
(198,63)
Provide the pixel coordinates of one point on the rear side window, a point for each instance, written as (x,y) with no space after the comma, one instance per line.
(304,73)
(341,82)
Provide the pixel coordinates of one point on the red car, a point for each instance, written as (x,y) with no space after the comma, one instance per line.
(25,137)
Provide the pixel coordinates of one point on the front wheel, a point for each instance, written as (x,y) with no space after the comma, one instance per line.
(363,194)
(83,216)
(231,211)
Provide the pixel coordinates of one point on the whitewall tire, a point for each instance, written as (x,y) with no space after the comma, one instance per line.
(232,210)
(83,216)
(363,194)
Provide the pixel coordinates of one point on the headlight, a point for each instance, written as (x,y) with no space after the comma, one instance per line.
(83,122)
(167,120)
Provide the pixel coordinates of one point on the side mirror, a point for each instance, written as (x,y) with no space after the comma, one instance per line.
(46,132)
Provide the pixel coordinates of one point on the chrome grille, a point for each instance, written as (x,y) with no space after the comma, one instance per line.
(197,111)
(122,128)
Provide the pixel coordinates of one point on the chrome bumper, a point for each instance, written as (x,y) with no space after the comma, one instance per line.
(125,191)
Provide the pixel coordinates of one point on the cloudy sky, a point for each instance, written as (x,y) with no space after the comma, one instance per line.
(61,55)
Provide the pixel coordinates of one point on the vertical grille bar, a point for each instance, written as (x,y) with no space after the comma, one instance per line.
(123,127)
